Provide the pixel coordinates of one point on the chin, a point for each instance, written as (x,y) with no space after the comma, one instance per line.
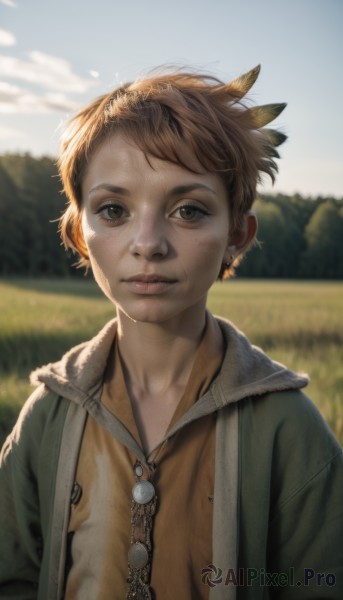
(151,311)
(147,316)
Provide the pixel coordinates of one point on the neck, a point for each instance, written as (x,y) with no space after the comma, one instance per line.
(159,356)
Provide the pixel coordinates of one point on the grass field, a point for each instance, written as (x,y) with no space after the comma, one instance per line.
(297,323)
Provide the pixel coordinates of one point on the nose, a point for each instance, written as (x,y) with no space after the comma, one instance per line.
(149,239)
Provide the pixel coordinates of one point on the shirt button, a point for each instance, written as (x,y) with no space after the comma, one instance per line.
(76,493)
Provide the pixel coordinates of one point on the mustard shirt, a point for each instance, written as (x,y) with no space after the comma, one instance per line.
(100,523)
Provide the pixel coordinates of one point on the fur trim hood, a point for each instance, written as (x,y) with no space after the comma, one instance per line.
(246,371)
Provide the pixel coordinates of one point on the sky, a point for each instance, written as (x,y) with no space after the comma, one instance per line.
(56,56)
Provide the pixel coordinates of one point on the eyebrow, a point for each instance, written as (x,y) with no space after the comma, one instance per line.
(176,191)
(184,189)
(116,189)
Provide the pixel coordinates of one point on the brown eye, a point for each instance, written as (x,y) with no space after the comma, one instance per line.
(188,213)
(191,213)
(112,212)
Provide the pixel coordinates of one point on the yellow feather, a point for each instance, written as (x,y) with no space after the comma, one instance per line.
(241,85)
(262,115)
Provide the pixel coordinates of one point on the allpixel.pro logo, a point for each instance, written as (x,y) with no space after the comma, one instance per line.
(211,576)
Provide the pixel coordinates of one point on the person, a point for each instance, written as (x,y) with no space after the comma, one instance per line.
(168,457)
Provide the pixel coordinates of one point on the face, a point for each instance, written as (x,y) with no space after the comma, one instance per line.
(157,234)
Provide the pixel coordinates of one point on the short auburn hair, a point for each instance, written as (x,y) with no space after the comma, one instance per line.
(164,113)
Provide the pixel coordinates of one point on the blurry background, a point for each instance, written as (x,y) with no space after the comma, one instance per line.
(55,56)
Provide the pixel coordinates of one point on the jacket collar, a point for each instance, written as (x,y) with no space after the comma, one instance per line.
(246,370)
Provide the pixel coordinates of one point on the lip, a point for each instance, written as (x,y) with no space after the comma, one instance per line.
(150,278)
(149,284)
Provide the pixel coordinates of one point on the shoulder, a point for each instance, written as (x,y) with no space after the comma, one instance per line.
(81,368)
(39,423)
(294,451)
(294,415)
(290,423)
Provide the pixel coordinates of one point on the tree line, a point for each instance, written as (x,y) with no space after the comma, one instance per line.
(298,237)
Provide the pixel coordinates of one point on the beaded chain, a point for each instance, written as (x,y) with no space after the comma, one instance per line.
(143,508)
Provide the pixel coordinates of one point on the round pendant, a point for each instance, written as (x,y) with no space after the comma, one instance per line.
(143,492)
(138,469)
(138,556)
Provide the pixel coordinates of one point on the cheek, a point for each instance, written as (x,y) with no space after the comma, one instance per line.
(97,256)
(88,231)
(210,250)
(96,244)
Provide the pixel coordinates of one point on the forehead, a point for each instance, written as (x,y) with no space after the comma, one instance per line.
(152,146)
(119,158)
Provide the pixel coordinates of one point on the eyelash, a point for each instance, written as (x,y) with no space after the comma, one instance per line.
(199,213)
(101,211)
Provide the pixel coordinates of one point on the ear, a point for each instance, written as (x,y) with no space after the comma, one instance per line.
(241,239)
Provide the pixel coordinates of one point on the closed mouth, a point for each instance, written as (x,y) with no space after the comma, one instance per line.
(152,278)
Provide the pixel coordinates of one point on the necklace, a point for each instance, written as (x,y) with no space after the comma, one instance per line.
(143,508)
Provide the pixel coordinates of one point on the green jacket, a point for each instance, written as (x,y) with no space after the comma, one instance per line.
(278,501)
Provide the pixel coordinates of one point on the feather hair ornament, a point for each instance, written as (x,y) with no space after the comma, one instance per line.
(241,85)
(257,117)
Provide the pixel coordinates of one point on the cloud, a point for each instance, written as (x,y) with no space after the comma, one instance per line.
(9,3)
(7,38)
(50,72)
(16,100)
(9,133)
